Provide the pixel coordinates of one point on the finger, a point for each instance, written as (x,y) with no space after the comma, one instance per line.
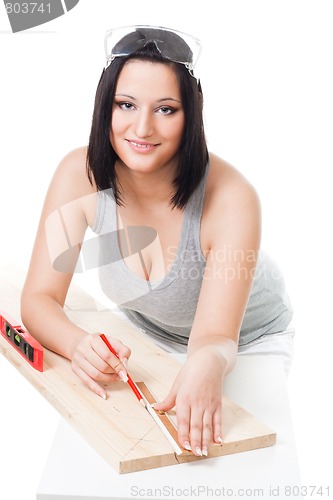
(95,360)
(217,425)
(111,359)
(122,350)
(206,432)
(167,404)
(196,426)
(90,383)
(96,374)
(183,426)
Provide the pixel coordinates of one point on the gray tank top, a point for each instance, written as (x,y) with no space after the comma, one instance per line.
(166,308)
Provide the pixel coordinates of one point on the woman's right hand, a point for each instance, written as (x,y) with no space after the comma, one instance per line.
(93,362)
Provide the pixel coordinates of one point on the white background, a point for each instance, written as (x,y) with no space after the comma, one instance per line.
(266,72)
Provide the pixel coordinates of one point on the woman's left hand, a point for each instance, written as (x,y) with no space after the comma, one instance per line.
(197,394)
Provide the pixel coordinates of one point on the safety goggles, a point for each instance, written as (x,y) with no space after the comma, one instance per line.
(174,45)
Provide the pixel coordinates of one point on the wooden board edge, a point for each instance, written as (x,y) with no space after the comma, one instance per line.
(250,444)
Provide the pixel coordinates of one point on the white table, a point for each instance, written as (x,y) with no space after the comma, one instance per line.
(74,471)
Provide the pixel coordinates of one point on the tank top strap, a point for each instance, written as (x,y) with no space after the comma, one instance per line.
(105,218)
(192,220)
(197,199)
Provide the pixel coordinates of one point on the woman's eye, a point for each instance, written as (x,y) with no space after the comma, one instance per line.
(165,110)
(126,106)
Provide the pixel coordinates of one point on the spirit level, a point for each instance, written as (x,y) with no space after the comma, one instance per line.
(22,341)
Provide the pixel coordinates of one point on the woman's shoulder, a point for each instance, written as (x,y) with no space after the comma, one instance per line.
(73,169)
(231,203)
(227,186)
(70,187)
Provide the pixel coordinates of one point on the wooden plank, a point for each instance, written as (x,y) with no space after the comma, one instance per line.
(119,428)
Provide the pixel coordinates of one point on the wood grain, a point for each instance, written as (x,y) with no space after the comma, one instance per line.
(119,428)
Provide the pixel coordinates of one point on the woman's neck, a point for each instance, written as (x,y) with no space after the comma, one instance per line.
(146,188)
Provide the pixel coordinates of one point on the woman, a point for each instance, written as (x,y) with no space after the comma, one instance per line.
(184,263)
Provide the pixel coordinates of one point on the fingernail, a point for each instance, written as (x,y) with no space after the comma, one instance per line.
(125,362)
(218,440)
(103,395)
(159,411)
(123,376)
(205,451)
(198,451)
(187,446)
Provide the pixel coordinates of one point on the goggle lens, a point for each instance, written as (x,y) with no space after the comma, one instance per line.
(174,45)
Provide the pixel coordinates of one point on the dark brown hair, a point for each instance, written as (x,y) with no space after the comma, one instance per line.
(193,154)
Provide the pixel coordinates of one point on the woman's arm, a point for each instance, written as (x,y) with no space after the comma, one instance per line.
(231,238)
(231,235)
(69,207)
(45,288)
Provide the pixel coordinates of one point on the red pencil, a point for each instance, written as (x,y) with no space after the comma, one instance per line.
(129,381)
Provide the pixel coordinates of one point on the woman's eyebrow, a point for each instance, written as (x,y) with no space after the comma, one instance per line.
(158,100)
(168,99)
(126,95)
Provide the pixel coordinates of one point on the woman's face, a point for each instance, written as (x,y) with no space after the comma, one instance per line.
(147,116)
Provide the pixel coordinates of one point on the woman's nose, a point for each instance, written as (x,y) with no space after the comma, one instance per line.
(144,124)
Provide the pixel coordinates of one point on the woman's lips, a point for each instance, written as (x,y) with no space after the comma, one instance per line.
(142,147)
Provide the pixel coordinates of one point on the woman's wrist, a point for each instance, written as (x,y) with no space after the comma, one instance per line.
(76,337)
(221,346)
